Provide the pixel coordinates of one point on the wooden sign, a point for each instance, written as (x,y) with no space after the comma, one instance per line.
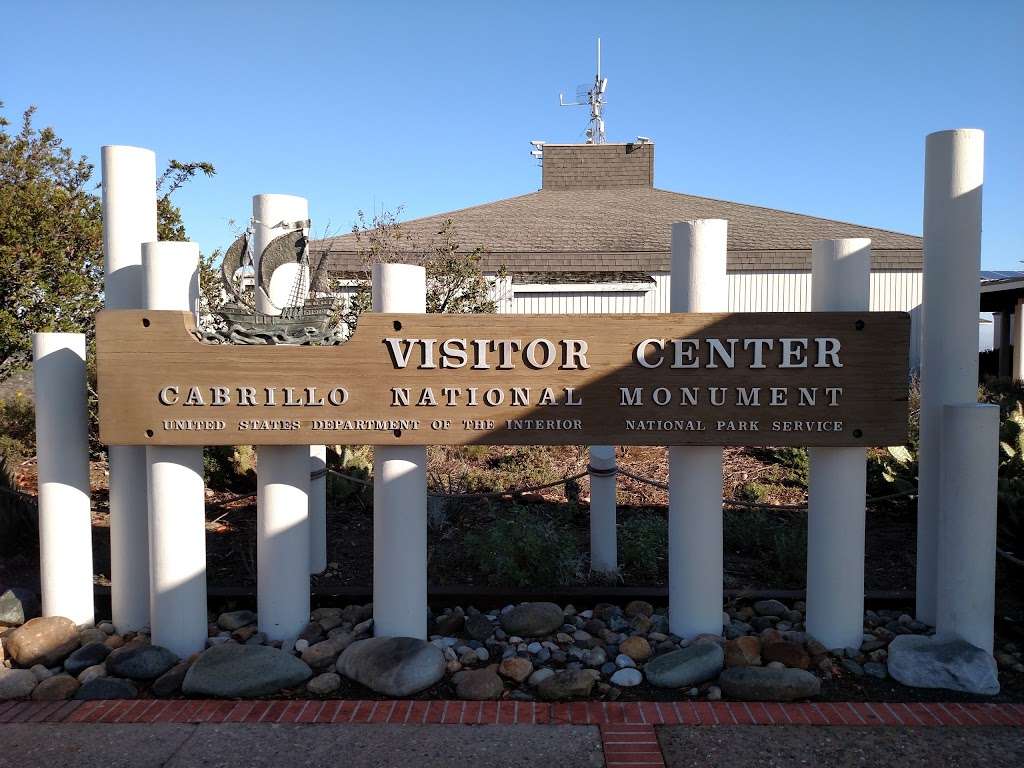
(796,379)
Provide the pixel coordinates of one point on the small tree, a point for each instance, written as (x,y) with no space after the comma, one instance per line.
(455,282)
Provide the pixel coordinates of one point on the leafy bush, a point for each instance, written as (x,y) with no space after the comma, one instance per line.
(643,546)
(752,492)
(525,549)
(18,515)
(230,467)
(17,428)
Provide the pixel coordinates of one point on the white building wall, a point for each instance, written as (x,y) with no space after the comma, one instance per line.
(748,292)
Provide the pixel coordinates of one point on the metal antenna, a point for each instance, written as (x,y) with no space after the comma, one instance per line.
(594,98)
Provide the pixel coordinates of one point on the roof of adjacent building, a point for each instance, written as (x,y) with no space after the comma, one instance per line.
(599,211)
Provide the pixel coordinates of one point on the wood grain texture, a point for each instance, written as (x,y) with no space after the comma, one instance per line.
(141,352)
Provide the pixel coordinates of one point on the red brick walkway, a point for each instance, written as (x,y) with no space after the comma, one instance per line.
(608,715)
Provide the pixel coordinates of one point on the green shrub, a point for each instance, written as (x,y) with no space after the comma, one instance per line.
(19,520)
(752,492)
(17,428)
(523,548)
(643,546)
(229,467)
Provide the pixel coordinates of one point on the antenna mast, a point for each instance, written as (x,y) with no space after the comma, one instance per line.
(594,98)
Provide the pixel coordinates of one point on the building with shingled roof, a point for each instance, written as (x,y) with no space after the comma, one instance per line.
(595,238)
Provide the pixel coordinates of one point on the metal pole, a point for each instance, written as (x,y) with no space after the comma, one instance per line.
(62,462)
(177,505)
(967,523)
(282,505)
(129,220)
(399,491)
(954,169)
(695,472)
(841,282)
(603,535)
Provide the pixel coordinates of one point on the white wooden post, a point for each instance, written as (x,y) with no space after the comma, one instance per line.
(954,169)
(129,220)
(317,508)
(695,472)
(399,490)
(1018,342)
(282,471)
(177,505)
(841,282)
(1005,342)
(62,463)
(603,534)
(967,523)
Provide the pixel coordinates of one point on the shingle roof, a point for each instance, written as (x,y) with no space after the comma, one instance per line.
(590,226)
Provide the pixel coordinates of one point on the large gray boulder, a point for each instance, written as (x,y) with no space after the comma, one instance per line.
(47,640)
(533,619)
(930,662)
(230,670)
(768,684)
(393,666)
(107,688)
(16,683)
(689,666)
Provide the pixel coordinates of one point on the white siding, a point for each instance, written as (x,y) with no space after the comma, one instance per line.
(748,292)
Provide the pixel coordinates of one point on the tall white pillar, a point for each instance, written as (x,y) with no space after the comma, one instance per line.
(954,170)
(1005,342)
(841,282)
(177,504)
(1017,372)
(282,529)
(317,508)
(603,532)
(399,491)
(695,472)
(62,460)
(129,220)
(967,523)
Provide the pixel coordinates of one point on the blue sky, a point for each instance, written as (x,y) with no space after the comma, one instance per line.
(820,108)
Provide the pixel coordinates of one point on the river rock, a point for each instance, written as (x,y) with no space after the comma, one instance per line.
(16,683)
(515,668)
(393,666)
(324,653)
(46,640)
(567,684)
(532,619)
(479,685)
(638,608)
(479,627)
(17,605)
(627,677)
(91,673)
(686,667)
(233,620)
(324,684)
(768,684)
(787,653)
(231,671)
(86,656)
(56,688)
(140,662)
(956,665)
(107,688)
(170,682)
(770,608)
(743,652)
(636,647)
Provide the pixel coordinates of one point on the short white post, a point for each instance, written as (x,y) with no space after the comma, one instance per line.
(967,523)
(62,463)
(1018,342)
(841,282)
(603,534)
(695,575)
(177,505)
(317,508)
(399,491)
(954,170)
(282,471)
(129,220)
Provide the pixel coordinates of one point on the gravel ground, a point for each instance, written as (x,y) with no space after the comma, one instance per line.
(302,746)
(768,747)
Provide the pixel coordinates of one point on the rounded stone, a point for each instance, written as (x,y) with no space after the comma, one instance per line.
(91,673)
(393,666)
(86,656)
(233,620)
(107,688)
(324,684)
(743,652)
(232,670)
(765,684)
(686,667)
(16,683)
(568,684)
(532,619)
(627,677)
(787,653)
(140,662)
(636,647)
(56,688)
(515,668)
(47,640)
(479,685)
